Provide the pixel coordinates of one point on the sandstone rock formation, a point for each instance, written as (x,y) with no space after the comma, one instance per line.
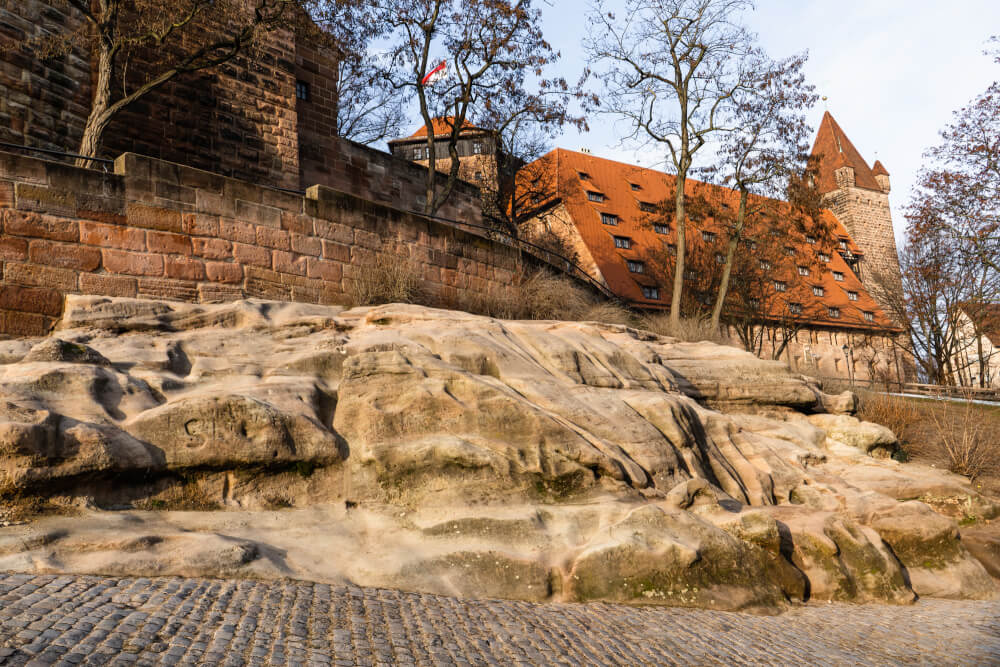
(435,450)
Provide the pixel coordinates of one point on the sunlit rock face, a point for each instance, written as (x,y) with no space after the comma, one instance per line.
(446,452)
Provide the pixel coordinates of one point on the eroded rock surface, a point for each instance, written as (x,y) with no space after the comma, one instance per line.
(445,452)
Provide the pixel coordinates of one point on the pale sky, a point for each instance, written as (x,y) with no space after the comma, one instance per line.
(893,70)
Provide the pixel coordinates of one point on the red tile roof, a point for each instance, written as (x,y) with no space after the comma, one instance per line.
(834,150)
(878,169)
(442,126)
(571,176)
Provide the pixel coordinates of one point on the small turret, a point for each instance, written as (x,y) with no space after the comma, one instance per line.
(881,175)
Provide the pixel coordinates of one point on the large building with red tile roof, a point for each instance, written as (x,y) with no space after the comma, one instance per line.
(802,276)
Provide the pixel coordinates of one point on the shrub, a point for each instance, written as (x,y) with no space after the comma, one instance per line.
(690,329)
(967,436)
(389,280)
(896,413)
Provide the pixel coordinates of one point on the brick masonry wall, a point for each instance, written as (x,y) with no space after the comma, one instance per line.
(43,103)
(160,230)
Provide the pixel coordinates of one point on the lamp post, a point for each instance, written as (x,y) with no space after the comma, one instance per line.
(850,366)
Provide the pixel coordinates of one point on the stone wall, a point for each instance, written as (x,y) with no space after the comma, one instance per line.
(867,217)
(161,230)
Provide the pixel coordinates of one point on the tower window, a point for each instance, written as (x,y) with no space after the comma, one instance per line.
(595,196)
(609,218)
(302,90)
(650,292)
(623,242)
(635,266)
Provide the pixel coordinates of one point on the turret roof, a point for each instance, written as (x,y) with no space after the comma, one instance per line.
(834,151)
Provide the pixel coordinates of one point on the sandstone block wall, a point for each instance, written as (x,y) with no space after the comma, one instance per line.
(161,230)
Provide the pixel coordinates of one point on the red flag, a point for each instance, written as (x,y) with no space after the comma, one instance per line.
(436,73)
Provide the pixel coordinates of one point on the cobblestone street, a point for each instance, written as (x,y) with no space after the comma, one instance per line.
(88,620)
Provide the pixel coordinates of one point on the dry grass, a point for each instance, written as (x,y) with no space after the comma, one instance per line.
(389,280)
(690,329)
(963,437)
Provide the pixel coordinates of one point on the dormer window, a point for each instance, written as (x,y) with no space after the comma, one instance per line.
(690,274)
(650,292)
(671,249)
(833,311)
(869,316)
(720,258)
(843,244)
(584,176)
(765,265)
(635,186)
(623,242)
(852,296)
(803,270)
(708,237)
(635,266)
(646,207)
(780,286)
(818,291)
(795,308)
(661,229)
(790,251)
(824,257)
(609,218)
(838,276)
(811,240)
(595,196)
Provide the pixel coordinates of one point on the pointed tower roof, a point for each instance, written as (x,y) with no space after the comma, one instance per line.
(878,169)
(834,151)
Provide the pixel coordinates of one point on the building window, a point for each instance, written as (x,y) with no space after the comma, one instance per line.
(635,266)
(595,196)
(302,91)
(818,291)
(869,316)
(421,153)
(765,265)
(651,292)
(609,218)
(811,240)
(661,229)
(635,186)
(853,296)
(834,311)
(623,242)
(803,270)
(646,207)
(823,257)
(477,148)
(795,308)
(479,175)
(780,286)
(584,176)
(838,276)
(720,258)
(708,237)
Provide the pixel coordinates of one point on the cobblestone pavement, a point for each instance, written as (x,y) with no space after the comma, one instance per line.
(69,620)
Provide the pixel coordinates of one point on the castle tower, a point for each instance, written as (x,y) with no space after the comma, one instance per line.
(859,197)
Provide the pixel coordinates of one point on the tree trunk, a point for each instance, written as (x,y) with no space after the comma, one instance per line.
(679,216)
(100,106)
(727,268)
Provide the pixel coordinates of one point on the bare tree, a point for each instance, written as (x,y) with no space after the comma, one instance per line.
(369,110)
(671,68)
(495,57)
(173,37)
(767,147)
